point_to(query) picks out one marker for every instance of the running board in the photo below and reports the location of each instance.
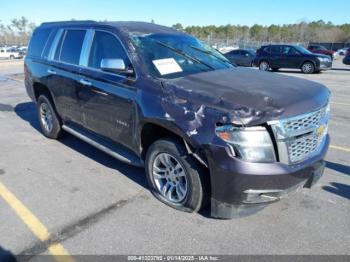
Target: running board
(110, 148)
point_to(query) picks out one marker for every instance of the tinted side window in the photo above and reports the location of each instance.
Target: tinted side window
(71, 46)
(293, 51)
(267, 49)
(38, 42)
(286, 50)
(105, 45)
(48, 44)
(275, 49)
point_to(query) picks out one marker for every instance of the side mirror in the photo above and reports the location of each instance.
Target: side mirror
(115, 66)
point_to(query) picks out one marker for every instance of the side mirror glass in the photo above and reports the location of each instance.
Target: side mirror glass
(115, 65)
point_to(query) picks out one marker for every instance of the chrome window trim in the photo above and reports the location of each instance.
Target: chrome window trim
(46, 43)
(63, 31)
(54, 44)
(86, 47)
(85, 55)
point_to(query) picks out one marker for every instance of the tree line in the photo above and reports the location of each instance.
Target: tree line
(17, 32)
(20, 29)
(317, 31)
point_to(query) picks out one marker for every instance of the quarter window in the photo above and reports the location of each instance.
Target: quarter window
(71, 47)
(38, 42)
(106, 46)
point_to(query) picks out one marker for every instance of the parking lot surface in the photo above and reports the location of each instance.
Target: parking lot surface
(73, 199)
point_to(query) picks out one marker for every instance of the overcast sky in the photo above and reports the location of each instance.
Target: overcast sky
(187, 12)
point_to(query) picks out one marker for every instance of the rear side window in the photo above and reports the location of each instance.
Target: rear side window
(105, 45)
(266, 49)
(71, 44)
(275, 49)
(48, 44)
(38, 42)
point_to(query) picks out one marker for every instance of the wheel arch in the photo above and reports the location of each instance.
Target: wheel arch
(307, 61)
(150, 131)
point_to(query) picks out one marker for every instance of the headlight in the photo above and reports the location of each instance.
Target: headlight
(323, 59)
(252, 144)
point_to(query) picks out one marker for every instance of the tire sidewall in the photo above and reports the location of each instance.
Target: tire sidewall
(264, 62)
(194, 198)
(56, 128)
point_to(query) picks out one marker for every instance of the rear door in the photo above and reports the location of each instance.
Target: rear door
(107, 99)
(64, 71)
(276, 61)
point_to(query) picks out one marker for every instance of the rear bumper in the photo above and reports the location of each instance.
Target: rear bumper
(240, 188)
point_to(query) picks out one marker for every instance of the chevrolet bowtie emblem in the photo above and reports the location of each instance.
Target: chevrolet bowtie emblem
(320, 130)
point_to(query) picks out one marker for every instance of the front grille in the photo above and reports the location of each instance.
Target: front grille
(301, 137)
(305, 122)
(301, 148)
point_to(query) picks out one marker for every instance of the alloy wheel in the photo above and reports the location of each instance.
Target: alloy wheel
(170, 177)
(46, 117)
(307, 68)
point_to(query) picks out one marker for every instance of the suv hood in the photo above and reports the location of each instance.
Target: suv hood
(241, 96)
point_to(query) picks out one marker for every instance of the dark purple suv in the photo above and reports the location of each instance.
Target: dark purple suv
(205, 131)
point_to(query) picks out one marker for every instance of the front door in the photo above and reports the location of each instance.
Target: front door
(107, 99)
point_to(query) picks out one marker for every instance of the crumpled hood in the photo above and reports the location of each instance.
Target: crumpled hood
(247, 96)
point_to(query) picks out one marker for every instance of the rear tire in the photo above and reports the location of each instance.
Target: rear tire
(49, 121)
(308, 68)
(176, 178)
(264, 66)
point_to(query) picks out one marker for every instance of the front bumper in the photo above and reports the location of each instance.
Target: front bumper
(325, 65)
(240, 188)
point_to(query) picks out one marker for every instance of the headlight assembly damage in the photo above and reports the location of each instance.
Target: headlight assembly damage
(251, 144)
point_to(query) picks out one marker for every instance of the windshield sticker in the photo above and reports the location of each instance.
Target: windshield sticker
(167, 66)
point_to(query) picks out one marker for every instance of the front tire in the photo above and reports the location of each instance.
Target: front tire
(49, 121)
(308, 68)
(176, 178)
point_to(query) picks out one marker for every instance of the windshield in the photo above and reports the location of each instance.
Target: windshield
(172, 56)
(303, 50)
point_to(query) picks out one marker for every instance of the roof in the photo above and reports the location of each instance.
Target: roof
(130, 26)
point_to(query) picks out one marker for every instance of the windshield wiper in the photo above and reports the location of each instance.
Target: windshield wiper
(210, 53)
(182, 53)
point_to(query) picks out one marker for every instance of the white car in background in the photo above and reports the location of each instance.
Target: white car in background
(343, 51)
(11, 54)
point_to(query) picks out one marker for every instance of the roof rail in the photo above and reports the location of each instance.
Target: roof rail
(69, 22)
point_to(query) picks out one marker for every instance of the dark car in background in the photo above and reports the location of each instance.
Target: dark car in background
(205, 130)
(290, 56)
(320, 49)
(346, 59)
(241, 57)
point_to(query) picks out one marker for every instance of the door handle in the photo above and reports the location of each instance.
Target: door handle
(85, 82)
(52, 72)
